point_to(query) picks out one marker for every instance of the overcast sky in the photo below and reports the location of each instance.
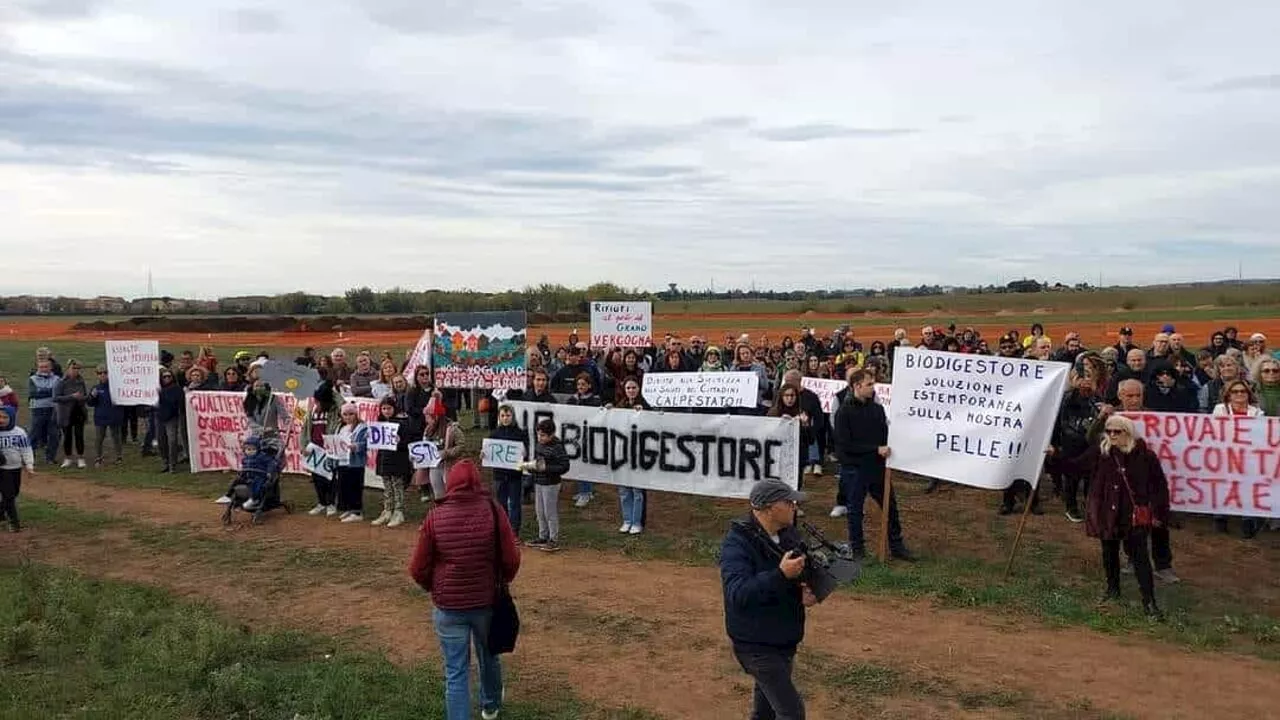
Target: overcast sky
(320, 145)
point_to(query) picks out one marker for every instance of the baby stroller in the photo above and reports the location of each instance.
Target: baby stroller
(261, 468)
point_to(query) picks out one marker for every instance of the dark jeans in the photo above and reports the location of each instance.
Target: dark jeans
(10, 484)
(510, 494)
(73, 439)
(351, 489)
(1071, 486)
(324, 490)
(129, 426)
(1021, 489)
(1135, 546)
(44, 432)
(1161, 550)
(153, 426)
(855, 485)
(775, 696)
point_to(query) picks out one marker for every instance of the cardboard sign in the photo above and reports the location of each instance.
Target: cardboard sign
(317, 463)
(384, 435)
(337, 448)
(502, 454)
(424, 454)
(621, 324)
(701, 389)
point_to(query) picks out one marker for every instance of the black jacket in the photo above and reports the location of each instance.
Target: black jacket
(860, 429)
(1181, 398)
(555, 462)
(763, 610)
(1074, 431)
(395, 463)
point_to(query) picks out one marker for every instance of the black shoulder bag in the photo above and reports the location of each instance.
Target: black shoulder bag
(504, 627)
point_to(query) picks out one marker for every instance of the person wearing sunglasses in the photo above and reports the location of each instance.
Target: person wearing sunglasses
(108, 418)
(1128, 496)
(1238, 398)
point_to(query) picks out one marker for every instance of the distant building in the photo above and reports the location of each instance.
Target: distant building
(106, 305)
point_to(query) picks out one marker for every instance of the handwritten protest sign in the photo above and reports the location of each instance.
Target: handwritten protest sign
(621, 324)
(714, 455)
(826, 390)
(317, 462)
(424, 454)
(337, 447)
(701, 390)
(217, 427)
(133, 370)
(974, 420)
(1217, 465)
(503, 454)
(384, 436)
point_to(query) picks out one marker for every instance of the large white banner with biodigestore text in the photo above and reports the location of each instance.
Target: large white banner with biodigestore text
(621, 324)
(1226, 465)
(716, 455)
(973, 419)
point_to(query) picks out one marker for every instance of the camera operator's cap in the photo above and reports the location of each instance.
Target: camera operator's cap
(1126, 330)
(768, 492)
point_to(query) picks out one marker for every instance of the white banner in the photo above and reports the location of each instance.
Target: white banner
(217, 426)
(502, 454)
(621, 324)
(973, 419)
(133, 370)
(701, 390)
(715, 455)
(826, 390)
(384, 436)
(1216, 465)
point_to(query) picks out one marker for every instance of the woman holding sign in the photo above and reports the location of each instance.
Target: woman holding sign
(634, 507)
(393, 465)
(447, 436)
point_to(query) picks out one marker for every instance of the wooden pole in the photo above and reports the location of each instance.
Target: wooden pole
(1022, 524)
(884, 515)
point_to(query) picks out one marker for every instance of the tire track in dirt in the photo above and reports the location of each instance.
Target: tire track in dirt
(614, 628)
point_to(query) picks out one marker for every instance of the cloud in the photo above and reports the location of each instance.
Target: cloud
(499, 143)
(826, 131)
(1248, 82)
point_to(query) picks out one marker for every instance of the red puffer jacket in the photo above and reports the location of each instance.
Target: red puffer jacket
(454, 560)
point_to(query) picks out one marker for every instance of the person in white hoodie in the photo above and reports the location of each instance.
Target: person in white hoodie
(15, 454)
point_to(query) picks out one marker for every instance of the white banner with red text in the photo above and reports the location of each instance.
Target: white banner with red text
(1216, 465)
(217, 427)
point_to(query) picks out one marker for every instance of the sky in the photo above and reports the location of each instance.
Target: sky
(264, 147)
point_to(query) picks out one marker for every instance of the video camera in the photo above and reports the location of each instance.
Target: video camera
(827, 565)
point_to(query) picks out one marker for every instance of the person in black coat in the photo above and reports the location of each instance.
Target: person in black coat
(1168, 393)
(509, 483)
(861, 436)
(393, 465)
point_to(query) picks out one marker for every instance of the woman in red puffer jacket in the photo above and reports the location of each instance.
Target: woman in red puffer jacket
(465, 543)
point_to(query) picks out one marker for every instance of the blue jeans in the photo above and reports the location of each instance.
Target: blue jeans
(510, 493)
(815, 457)
(632, 505)
(586, 488)
(456, 630)
(44, 432)
(855, 484)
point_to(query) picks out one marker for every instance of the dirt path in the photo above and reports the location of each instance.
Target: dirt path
(614, 629)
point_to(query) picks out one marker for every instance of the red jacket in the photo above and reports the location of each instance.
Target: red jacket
(454, 560)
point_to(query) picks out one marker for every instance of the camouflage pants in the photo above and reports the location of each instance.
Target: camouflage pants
(393, 494)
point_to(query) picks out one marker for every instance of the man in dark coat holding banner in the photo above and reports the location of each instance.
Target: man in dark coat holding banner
(861, 438)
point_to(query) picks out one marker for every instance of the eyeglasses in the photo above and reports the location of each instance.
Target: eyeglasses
(1114, 431)
(1239, 392)
(1270, 371)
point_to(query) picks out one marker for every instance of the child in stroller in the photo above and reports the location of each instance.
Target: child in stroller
(256, 488)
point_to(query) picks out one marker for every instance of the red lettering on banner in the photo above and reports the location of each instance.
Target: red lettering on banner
(1273, 433)
(1233, 496)
(214, 460)
(1262, 497)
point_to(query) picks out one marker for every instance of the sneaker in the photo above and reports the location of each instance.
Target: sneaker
(353, 518)
(97, 463)
(317, 510)
(537, 542)
(1126, 569)
(637, 529)
(839, 511)
(424, 498)
(1075, 516)
(626, 528)
(224, 500)
(382, 519)
(1153, 611)
(397, 519)
(15, 528)
(808, 469)
(549, 546)
(330, 511)
(251, 504)
(80, 463)
(583, 500)
(493, 714)
(1168, 576)
(65, 464)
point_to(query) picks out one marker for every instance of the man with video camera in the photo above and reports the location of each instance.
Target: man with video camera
(762, 567)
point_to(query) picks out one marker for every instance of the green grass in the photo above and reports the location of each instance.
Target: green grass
(77, 648)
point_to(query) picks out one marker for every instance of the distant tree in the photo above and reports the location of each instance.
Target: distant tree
(362, 300)
(295, 303)
(1024, 286)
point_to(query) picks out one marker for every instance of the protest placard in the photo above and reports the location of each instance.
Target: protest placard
(337, 447)
(971, 419)
(297, 380)
(479, 350)
(133, 371)
(217, 427)
(1218, 465)
(424, 454)
(701, 389)
(826, 390)
(384, 436)
(317, 462)
(715, 455)
(503, 454)
(621, 324)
